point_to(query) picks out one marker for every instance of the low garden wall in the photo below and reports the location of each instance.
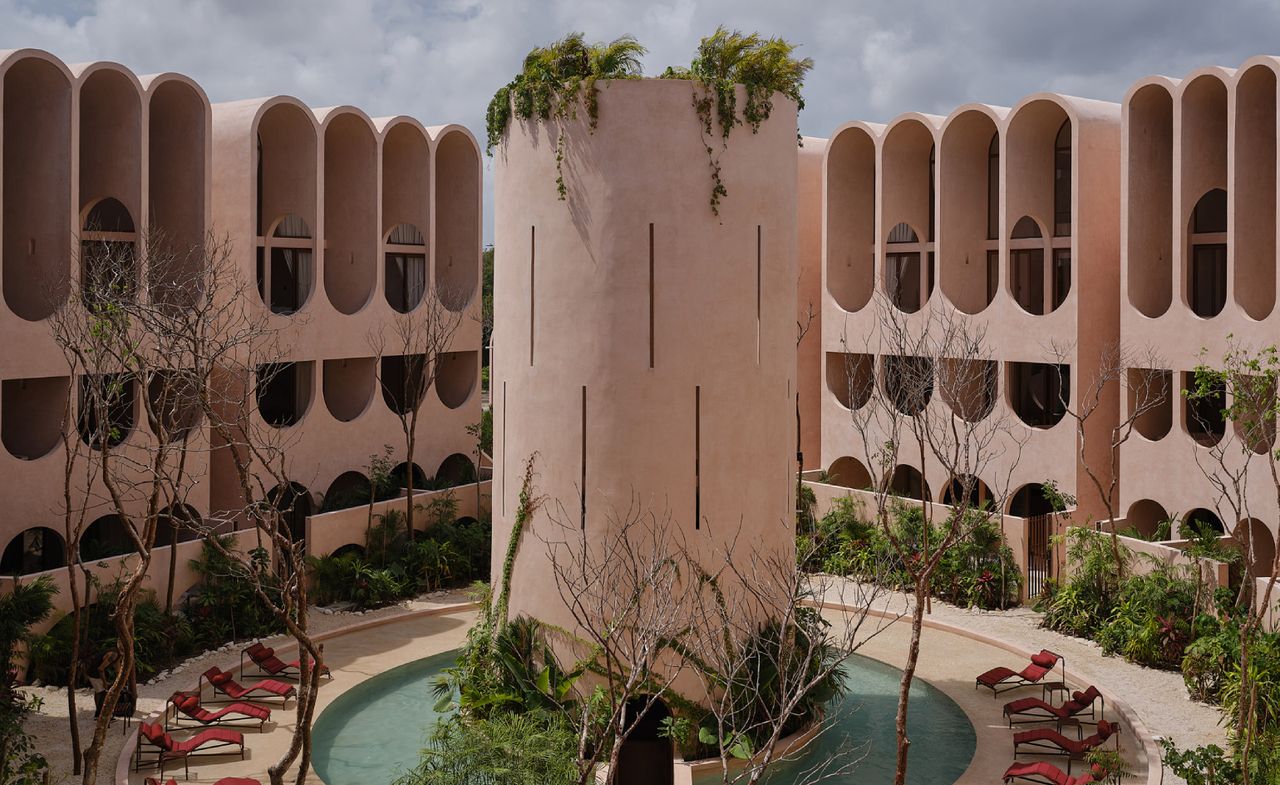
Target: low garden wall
(325, 533)
(329, 531)
(1015, 529)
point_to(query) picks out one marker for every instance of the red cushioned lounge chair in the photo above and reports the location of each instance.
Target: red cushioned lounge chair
(223, 781)
(206, 742)
(1043, 773)
(1080, 707)
(1046, 741)
(221, 681)
(187, 705)
(267, 661)
(1003, 679)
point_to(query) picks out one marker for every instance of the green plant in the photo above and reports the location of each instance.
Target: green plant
(1109, 766)
(223, 606)
(534, 748)
(725, 59)
(1151, 622)
(1207, 765)
(554, 80)
(25, 605)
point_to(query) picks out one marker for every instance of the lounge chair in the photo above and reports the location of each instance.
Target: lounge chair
(167, 748)
(1028, 710)
(223, 781)
(1043, 773)
(1046, 741)
(187, 705)
(267, 661)
(1003, 679)
(221, 681)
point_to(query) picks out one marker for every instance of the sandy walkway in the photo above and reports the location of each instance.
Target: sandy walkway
(948, 661)
(50, 725)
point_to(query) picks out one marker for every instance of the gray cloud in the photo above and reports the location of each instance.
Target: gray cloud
(441, 60)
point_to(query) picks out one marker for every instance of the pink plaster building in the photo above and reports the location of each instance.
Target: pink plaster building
(344, 221)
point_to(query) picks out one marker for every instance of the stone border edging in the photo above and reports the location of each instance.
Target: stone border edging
(124, 763)
(1137, 726)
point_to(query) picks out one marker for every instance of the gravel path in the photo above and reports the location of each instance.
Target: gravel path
(1158, 697)
(50, 725)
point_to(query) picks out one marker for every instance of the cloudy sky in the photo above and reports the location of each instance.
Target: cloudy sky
(441, 61)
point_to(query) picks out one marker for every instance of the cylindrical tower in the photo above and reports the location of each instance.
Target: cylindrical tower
(645, 347)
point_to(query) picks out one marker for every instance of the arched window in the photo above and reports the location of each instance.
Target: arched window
(908, 382)
(906, 282)
(35, 550)
(1207, 278)
(284, 266)
(405, 278)
(1038, 287)
(105, 537)
(993, 187)
(933, 191)
(108, 254)
(1039, 392)
(294, 505)
(969, 491)
(284, 392)
(908, 483)
(1062, 181)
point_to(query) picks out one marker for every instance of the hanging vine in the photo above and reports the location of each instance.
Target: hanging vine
(763, 66)
(554, 81)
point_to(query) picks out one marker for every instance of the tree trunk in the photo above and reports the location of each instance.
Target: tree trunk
(173, 566)
(410, 443)
(904, 686)
(73, 671)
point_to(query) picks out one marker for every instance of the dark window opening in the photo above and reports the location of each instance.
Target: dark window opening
(993, 188)
(406, 268)
(1028, 279)
(1030, 501)
(284, 274)
(970, 491)
(404, 382)
(1062, 181)
(108, 255)
(1206, 417)
(293, 504)
(908, 483)
(1040, 392)
(34, 550)
(908, 383)
(908, 283)
(1207, 281)
(106, 407)
(283, 392)
(993, 274)
(105, 537)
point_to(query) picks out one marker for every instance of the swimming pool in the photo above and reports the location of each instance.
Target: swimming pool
(374, 731)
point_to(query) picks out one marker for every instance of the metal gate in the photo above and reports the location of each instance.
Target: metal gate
(1039, 553)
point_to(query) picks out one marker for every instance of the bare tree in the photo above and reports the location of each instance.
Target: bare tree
(768, 643)
(625, 591)
(118, 342)
(407, 358)
(897, 419)
(77, 474)
(1241, 389)
(1102, 425)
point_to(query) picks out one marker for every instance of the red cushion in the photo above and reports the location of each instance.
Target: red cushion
(1037, 769)
(187, 701)
(219, 679)
(995, 676)
(1045, 659)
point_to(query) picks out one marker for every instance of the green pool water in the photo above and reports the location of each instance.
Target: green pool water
(374, 731)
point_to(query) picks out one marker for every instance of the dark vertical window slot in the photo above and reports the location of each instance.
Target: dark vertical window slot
(758, 282)
(697, 457)
(504, 448)
(650, 295)
(583, 477)
(532, 257)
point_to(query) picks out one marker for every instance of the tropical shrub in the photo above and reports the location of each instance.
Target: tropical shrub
(533, 748)
(1153, 618)
(1085, 601)
(224, 606)
(160, 639)
(978, 570)
(20, 761)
